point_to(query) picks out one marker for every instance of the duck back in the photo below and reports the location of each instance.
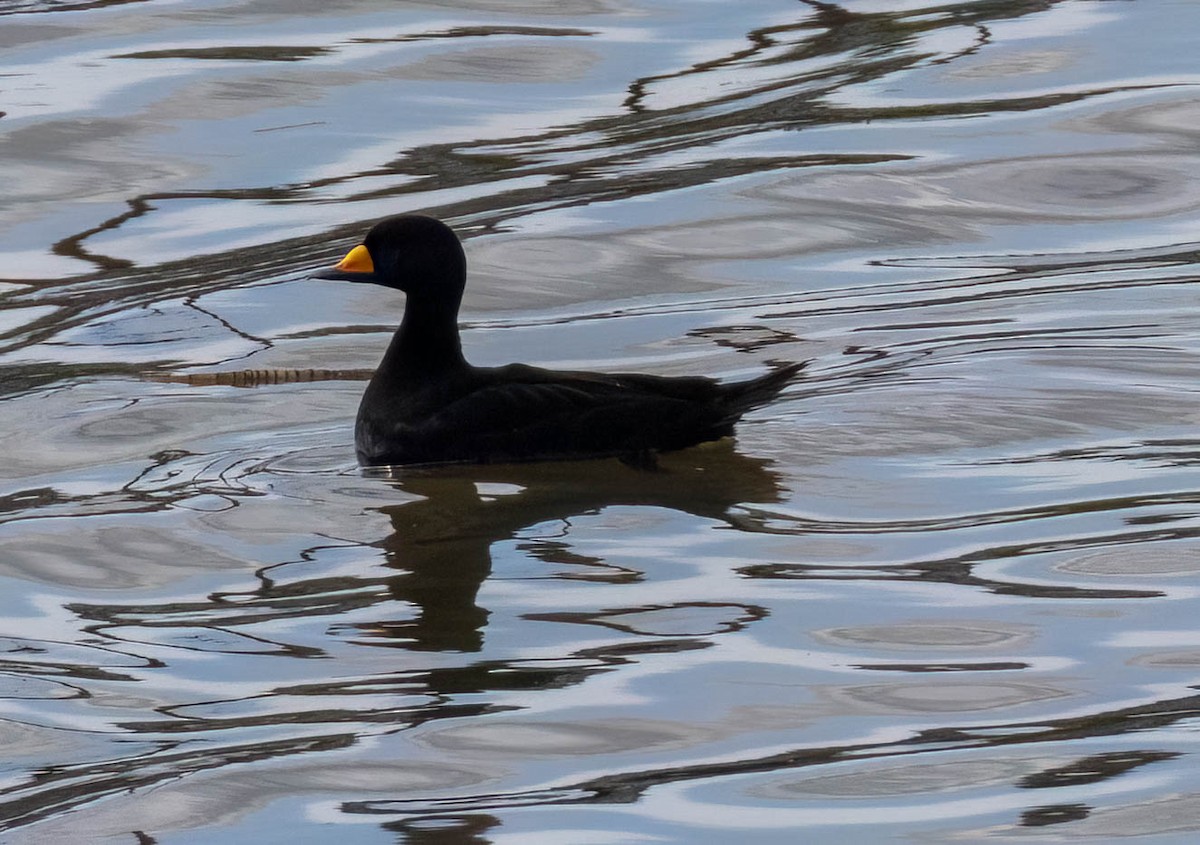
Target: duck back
(523, 413)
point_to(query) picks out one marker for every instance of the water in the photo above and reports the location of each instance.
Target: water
(944, 590)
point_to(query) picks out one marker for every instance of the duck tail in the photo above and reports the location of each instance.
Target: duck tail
(745, 396)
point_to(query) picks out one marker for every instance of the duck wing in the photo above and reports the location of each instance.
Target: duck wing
(521, 413)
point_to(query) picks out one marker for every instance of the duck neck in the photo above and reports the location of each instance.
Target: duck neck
(426, 343)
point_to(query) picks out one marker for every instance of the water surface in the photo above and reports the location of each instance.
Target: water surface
(944, 590)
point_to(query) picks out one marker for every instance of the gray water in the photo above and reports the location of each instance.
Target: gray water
(944, 590)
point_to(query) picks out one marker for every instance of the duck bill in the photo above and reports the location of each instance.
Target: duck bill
(355, 267)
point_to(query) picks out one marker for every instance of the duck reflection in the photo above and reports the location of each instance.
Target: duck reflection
(443, 542)
(468, 829)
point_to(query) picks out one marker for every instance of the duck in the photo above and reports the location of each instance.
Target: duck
(425, 404)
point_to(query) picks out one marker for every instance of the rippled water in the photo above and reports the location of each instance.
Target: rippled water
(945, 590)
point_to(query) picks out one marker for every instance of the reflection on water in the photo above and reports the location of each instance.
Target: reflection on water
(941, 590)
(453, 528)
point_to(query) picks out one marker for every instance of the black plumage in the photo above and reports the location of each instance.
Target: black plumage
(426, 404)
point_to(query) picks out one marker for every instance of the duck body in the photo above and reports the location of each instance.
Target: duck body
(523, 413)
(427, 405)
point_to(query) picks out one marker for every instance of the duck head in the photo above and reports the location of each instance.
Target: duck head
(413, 253)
